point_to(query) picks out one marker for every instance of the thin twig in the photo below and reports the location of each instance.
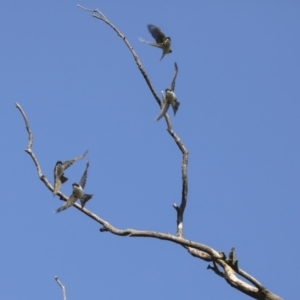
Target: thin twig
(30, 141)
(30, 136)
(62, 287)
(99, 15)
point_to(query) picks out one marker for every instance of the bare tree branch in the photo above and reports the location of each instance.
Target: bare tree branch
(204, 252)
(179, 209)
(99, 15)
(62, 287)
(31, 153)
(201, 251)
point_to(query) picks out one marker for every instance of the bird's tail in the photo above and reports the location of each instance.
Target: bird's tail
(61, 209)
(162, 56)
(86, 198)
(175, 107)
(63, 178)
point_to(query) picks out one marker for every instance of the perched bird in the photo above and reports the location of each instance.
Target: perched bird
(59, 169)
(169, 98)
(162, 41)
(78, 192)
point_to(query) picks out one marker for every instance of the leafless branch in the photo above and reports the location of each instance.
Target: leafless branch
(62, 287)
(179, 209)
(201, 251)
(32, 155)
(99, 15)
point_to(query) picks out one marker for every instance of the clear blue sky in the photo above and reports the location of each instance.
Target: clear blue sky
(239, 88)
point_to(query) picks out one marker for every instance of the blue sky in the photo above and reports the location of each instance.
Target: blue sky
(238, 84)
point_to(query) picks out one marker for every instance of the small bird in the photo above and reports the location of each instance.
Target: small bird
(59, 169)
(78, 192)
(169, 98)
(162, 41)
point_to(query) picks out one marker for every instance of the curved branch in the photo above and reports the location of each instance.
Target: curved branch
(29, 150)
(179, 209)
(99, 15)
(31, 153)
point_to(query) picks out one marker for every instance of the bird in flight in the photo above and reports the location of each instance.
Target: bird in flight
(161, 40)
(78, 192)
(59, 169)
(169, 98)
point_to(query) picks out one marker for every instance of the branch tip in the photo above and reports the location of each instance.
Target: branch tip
(62, 287)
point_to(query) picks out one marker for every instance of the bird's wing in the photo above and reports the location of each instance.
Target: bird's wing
(150, 43)
(172, 87)
(68, 163)
(157, 34)
(72, 199)
(163, 111)
(84, 176)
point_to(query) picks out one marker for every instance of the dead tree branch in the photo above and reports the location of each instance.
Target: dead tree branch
(179, 209)
(32, 155)
(230, 268)
(199, 250)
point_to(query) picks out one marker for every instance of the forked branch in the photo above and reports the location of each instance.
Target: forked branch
(96, 13)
